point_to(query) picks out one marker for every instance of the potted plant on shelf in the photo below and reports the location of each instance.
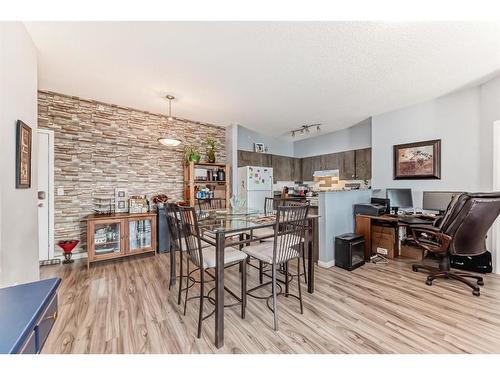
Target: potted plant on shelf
(192, 154)
(211, 144)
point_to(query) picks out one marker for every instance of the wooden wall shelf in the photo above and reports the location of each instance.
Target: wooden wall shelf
(222, 188)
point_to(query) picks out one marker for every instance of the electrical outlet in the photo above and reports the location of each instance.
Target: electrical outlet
(60, 191)
(381, 250)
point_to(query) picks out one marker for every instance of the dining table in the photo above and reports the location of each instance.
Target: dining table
(217, 226)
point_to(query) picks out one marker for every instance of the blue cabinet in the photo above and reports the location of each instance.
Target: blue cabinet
(27, 314)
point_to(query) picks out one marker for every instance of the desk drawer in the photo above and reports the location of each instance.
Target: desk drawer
(45, 323)
(29, 346)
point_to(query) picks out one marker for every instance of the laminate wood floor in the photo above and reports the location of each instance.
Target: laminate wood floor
(125, 306)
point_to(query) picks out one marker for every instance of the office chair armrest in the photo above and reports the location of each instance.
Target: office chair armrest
(430, 238)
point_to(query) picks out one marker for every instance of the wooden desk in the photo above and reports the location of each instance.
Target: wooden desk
(364, 226)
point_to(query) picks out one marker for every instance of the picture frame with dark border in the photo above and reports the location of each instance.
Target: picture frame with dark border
(417, 160)
(23, 155)
(259, 147)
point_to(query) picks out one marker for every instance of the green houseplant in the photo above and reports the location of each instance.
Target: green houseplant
(211, 144)
(192, 154)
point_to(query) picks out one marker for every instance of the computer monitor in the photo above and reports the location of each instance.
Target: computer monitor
(438, 200)
(399, 198)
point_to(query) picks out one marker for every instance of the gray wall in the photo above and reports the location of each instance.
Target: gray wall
(276, 146)
(490, 112)
(456, 120)
(18, 207)
(352, 138)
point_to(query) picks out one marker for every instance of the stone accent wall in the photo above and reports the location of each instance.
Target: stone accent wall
(99, 147)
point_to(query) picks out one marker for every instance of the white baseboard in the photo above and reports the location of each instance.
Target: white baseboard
(328, 264)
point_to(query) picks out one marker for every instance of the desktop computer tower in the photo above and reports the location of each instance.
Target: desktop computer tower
(478, 263)
(349, 251)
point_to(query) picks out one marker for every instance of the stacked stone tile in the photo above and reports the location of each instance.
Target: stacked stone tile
(99, 147)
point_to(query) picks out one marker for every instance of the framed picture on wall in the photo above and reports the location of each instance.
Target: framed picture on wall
(259, 147)
(418, 161)
(121, 200)
(23, 155)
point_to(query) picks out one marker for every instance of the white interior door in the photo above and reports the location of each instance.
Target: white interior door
(45, 194)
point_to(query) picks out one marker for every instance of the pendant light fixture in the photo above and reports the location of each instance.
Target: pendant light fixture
(164, 140)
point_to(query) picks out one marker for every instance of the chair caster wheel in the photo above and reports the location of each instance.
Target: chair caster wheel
(476, 292)
(428, 282)
(414, 268)
(480, 282)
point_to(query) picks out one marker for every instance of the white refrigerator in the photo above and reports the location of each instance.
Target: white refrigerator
(254, 185)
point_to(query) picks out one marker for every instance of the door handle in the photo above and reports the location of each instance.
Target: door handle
(40, 204)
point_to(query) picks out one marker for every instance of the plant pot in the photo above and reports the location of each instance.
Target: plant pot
(211, 156)
(195, 158)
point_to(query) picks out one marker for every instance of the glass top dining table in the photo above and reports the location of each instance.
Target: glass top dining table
(216, 226)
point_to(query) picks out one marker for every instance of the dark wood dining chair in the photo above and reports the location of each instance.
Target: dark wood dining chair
(290, 227)
(204, 259)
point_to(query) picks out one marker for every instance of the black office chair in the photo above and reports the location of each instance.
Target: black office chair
(461, 232)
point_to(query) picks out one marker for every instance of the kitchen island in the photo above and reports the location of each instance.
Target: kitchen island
(336, 218)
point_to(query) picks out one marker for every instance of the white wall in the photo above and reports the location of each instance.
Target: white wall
(456, 120)
(276, 146)
(353, 138)
(18, 207)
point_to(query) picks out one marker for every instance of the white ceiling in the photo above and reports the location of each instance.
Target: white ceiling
(270, 77)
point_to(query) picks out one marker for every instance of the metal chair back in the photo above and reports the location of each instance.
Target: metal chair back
(173, 227)
(291, 223)
(191, 234)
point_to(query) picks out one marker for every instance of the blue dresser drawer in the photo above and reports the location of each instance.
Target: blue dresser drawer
(29, 346)
(45, 323)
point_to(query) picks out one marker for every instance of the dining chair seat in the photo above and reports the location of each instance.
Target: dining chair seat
(267, 232)
(264, 252)
(231, 256)
(212, 235)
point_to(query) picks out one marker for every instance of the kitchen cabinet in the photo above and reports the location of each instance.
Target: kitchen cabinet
(330, 161)
(347, 165)
(282, 168)
(307, 168)
(364, 164)
(255, 159)
(296, 169)
(355, 164)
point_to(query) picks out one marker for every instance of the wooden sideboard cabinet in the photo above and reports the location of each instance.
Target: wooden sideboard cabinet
(120, 235)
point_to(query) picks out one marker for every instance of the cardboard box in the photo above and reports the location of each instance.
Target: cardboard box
(412, 252)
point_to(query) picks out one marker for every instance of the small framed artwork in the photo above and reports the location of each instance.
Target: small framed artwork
(137, 204)
(418, 161)
(23, 155)
(259, 147)
(121, 200)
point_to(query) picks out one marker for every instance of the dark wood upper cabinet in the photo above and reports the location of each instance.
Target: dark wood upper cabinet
(296, 169)
(347, 165)
(307, 168)
(251, 158)
(282, 168)
(364, 164)
(355, 164)
(330, 161)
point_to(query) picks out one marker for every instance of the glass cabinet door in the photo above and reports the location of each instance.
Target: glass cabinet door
(107, 238)
(140, 236)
